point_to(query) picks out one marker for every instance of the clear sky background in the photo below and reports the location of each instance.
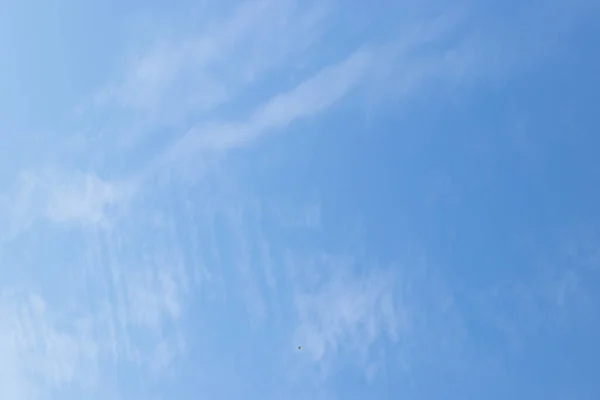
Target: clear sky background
(408, 189)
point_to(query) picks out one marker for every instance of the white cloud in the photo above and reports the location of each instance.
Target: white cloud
(182, 79)
(139, 284)
(112, 298)
(350, 310)
(123, 306)
(347, 315)
(310, 97)
(40, 355)
(192, 74)
(555, 294)
(70, 197)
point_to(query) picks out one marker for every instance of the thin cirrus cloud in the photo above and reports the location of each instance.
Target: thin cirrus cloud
(146, 247)
(194, 74)
(312, 96)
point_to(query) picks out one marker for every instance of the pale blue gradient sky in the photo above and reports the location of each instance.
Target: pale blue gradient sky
(409, 190)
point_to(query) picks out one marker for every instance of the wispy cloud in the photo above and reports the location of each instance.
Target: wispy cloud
(204, 84)
(554, 296)
(192, 74)
(40, 355)
(312, 96)
(93, 300)
(67, 196)
(248, 73)
(118, 302)
(348, 312)
(349, 309)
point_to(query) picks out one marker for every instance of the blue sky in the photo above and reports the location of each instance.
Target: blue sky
(190, 190)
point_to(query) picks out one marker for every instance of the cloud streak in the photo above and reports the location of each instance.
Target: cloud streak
(142, 246)
(193, 74)
(311, 97)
